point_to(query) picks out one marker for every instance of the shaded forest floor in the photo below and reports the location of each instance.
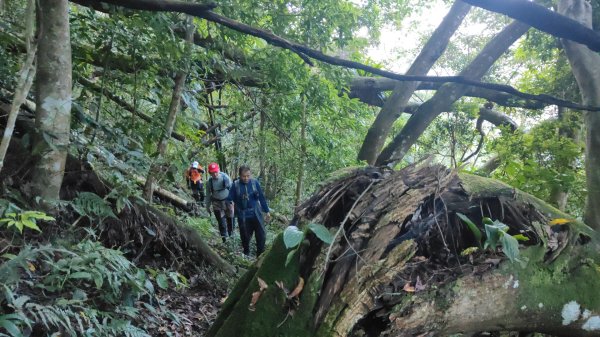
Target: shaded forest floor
(198, 305)
(155, 239)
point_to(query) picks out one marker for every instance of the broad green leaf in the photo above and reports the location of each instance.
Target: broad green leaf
(474, 229)
(11, 328)
(510, 247)
(19, 226)
(321, 232)
(30, 224)
(492, 234)
(292, 237)
(162, 281)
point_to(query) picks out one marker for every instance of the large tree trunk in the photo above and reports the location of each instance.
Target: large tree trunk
(398, 267)
(395, 105)
(585, 65)
(53, 98)
(448, 94)
(173, 110)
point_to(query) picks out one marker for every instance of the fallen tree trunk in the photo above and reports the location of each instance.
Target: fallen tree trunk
(401, 264)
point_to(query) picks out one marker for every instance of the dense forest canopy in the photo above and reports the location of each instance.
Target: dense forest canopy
(105, 103)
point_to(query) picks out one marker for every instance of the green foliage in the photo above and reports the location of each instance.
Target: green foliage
(292, 237)
(88, 290)
(93, 206)
(496, 233)
(24, 219)
(474, 229)
(547, 158)
(321, 232)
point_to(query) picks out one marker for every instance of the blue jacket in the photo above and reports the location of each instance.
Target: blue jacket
(248, 199)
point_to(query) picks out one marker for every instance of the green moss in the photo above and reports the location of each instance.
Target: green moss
(330, 319)
(571, 277)
(272, 315)
(480, 187)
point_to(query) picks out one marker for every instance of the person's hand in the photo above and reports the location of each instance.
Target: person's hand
(268, 217)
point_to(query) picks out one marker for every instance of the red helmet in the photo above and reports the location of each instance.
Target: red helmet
(213, 167)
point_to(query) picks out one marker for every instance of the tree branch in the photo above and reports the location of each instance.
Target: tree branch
(368, 90)
(123, 104)
(275, 40)
(540, 17)
(194, 9)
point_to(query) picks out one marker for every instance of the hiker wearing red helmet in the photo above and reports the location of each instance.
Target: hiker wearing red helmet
(217, 191)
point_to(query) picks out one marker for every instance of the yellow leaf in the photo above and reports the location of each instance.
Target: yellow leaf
(30, 266)
(469, 251)
(560, 221)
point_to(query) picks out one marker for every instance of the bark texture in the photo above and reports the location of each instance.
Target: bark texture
(397, 268)
(396, 103)
(448, 94)
(585, 65)
(53, 98)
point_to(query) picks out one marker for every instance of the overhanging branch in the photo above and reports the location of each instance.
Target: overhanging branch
(304, 51)
(194, 9)
(542, 18)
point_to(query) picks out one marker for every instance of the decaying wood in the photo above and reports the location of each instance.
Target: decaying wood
(398, 269)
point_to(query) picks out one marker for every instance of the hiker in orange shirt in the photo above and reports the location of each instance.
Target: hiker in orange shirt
(193, 178)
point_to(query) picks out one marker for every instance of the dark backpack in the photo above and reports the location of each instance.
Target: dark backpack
(236, 184)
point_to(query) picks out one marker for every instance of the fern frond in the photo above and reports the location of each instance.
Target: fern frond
(92, 206)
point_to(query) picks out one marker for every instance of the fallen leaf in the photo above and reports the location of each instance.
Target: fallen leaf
(262, 284)
(255, 297)
(30, 266)
(408, 288)
(298, 289)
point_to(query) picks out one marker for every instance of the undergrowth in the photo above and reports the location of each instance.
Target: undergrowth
(74, 287)
(81, 289)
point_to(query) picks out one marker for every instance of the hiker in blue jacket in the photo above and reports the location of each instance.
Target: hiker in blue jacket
(250, 204)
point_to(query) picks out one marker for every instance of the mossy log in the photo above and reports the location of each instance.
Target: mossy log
(399, 265)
